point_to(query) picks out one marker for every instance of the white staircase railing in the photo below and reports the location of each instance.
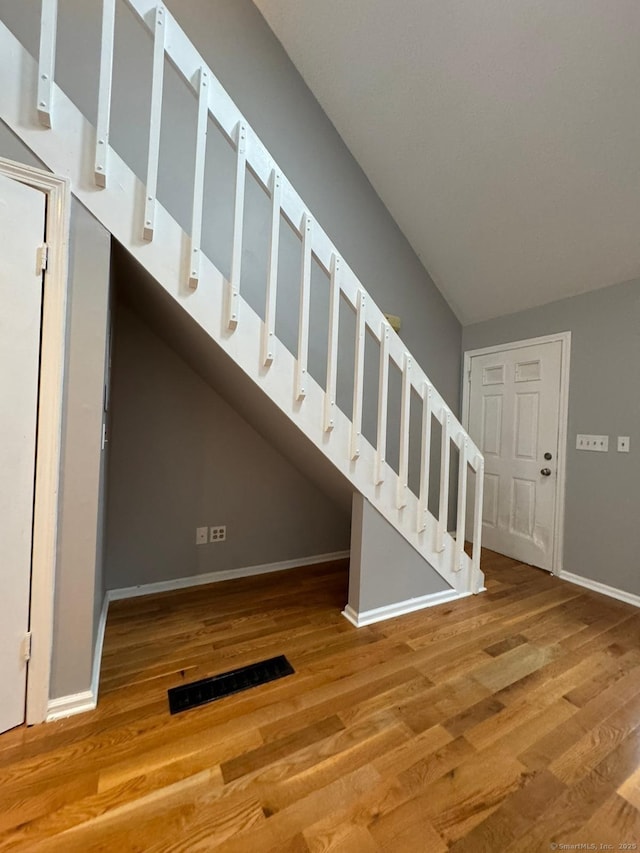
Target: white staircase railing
(365, 465)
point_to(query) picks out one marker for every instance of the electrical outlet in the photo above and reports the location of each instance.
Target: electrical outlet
(623, 444)
(201, 535)
(599, 443)
(218, 534)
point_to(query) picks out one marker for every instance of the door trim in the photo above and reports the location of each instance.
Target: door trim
(564, 338)
(49, 435)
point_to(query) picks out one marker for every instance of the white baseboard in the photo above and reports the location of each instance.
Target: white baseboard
(603, 588)
(97, 654)
(215, 577)
(388, 611)
(67, 706)
(77, 703)
(87, 700)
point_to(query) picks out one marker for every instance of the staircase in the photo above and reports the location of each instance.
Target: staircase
(40, 113)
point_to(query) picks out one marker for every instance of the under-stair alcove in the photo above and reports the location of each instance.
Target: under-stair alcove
(190, 447)
(252, 297)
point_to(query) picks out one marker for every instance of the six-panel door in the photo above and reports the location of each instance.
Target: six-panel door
(514, 406)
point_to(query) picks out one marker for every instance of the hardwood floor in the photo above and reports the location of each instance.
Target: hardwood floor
(508, 721)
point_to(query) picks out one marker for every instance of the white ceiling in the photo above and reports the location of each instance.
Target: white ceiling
(503, 135)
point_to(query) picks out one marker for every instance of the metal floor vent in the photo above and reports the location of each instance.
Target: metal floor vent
(227, 683)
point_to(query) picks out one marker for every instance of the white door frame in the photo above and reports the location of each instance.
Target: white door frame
(49, 437)
(564, 338)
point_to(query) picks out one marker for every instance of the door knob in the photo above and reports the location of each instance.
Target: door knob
(546, 472)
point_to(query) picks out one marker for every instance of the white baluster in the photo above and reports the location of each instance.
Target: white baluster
(445, 455)
(269, 328)
(383, 396)
(405, 412)
(462, 502)
(477, 524)
(332, 345)
(155, 120)
(198, 177)
(47, 60)
(358, 376)
(104, 93)
(305, 294)
(233, 285)
(425, 456)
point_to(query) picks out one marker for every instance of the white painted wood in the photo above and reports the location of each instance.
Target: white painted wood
(64, 150)
(425, 456)
(305, 298)
(602, 588)
(390, 611)
(383, 401)
(155, 121)
(69, 706)
(198, 177)
(477, 575)
(97, 654)
(462, 502)
(187, 60)
(269, 329)
(561, 469)
(514, 413)
(332, 344)
(49, 439)
(358, 376)
(47, 60)
(405, 411)
(233, 287)
(445, 458)
(104, 93)
(49, 455)
(227, 574)
(563, 337)
(22, 225)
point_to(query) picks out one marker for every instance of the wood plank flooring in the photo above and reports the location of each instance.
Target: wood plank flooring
(508, 721)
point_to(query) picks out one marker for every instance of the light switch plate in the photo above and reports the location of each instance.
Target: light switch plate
(599, 443)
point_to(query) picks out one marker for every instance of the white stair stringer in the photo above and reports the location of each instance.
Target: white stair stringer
(66, 148)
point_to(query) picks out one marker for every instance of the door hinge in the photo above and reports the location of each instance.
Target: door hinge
(26, 646)
(42, 258)
(469, 375)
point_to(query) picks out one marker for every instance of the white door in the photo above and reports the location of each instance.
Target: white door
(514, 414)
(22, 212)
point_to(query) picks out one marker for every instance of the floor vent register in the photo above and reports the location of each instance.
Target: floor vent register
(227, 683)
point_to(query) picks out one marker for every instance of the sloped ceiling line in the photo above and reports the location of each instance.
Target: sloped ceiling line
(516, 177)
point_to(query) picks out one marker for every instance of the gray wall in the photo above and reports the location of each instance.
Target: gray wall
(253, 67)
(180, 457)
(79, 586)
(602, 535)
(384, 569)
